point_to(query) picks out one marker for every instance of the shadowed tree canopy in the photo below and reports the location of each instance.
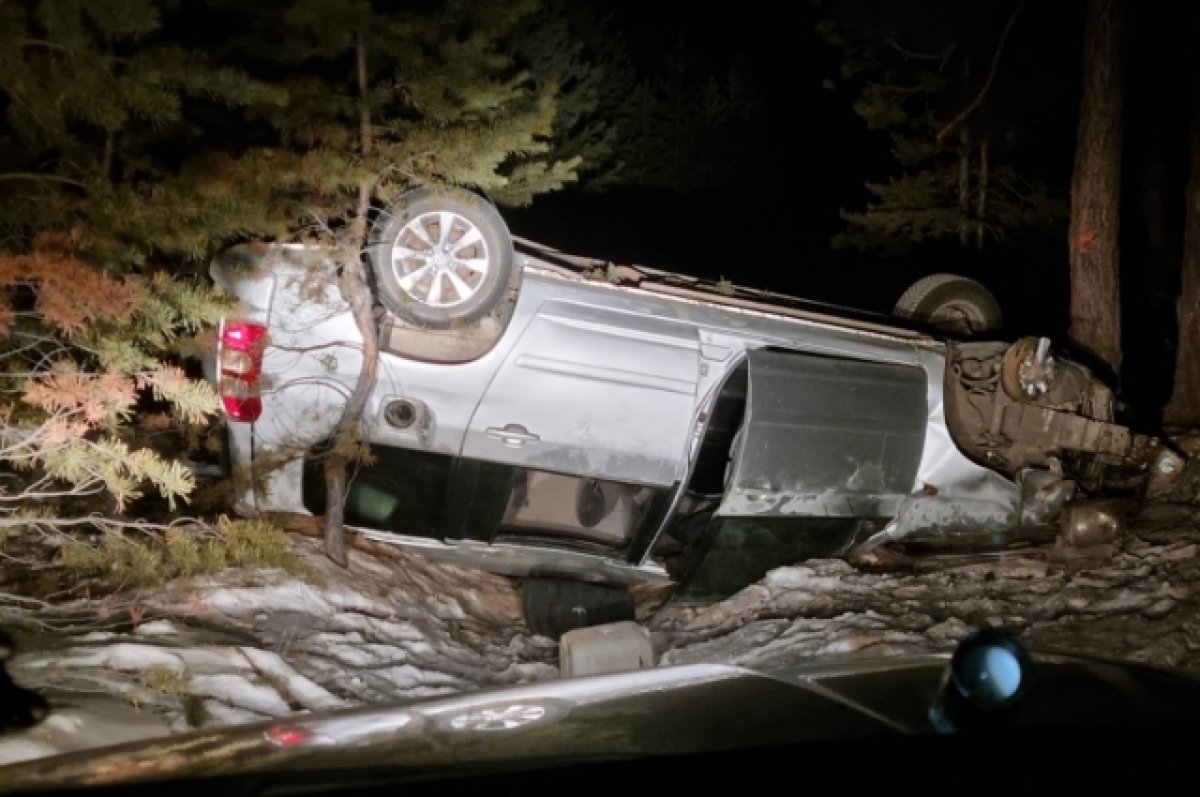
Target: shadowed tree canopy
(929, 81)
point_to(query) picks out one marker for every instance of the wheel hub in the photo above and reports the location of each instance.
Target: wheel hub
(440, 259)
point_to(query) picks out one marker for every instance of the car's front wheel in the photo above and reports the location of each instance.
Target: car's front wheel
(441, 257)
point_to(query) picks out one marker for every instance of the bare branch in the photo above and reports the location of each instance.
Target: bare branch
(991, 75)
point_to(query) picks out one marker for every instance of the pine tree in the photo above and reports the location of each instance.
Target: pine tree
(103, 209)
(574, 51)
(678, 129)
(958, 176)
(98, 139)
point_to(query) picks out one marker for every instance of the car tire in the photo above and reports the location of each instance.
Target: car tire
(554, 606)
(952, 304)
(424, 272)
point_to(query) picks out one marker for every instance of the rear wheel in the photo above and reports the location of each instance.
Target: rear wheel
(554, 606)
(441, 257)
(951, 303)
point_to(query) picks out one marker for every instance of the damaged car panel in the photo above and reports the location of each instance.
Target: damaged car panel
(1017, 416)
(826, 436)
(590, 391)
(618, 424)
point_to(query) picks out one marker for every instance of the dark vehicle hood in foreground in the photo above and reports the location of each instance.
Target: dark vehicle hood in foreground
(656, 712)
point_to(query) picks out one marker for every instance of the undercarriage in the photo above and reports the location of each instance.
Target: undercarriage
(1038, 417)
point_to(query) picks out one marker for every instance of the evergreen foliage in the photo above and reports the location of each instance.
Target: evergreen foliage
(958, 179)
(107, 215)
(680, 128)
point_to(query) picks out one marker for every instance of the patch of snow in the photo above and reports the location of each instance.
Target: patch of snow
(360, 655)
(299, 688)
(404, 677)
(156, 628)
(239, 692)
(212, 659)
(800, 578)
(118, 656)
(293, 596)
(345, 599)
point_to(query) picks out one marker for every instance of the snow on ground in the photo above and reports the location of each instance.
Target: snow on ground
(1135, 601)
(246, 646)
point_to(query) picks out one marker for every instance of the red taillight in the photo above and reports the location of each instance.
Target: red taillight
(239, 360)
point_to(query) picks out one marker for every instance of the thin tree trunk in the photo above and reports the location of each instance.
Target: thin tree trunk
(357, 293)
(981, 204)
(1095, 188)
(1184, 405)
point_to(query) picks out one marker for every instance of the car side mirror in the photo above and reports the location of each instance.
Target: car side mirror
(984, 684)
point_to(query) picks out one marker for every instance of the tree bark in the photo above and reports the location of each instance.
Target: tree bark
(1184, 404)
(1095, 188)
(356, 290)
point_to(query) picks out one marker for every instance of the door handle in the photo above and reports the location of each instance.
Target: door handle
(513, 435)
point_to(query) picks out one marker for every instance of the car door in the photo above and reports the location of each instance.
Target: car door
(586, 425)
(827, 437)
(825, 443)
(593, 392)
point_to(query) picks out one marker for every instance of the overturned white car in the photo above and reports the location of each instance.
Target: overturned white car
(553, 417)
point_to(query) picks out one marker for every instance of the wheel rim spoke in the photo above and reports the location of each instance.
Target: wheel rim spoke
(445, 226)
(468, 239)
(401, 252)
(417, 228)
(460, 286)
(475, 264)
(411, 278)
(434, 296)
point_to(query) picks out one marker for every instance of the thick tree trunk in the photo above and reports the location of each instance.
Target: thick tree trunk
(356, 291)
(1095, 188)
(1184, 405)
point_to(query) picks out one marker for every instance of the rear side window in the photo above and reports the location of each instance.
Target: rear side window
(402, 492)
